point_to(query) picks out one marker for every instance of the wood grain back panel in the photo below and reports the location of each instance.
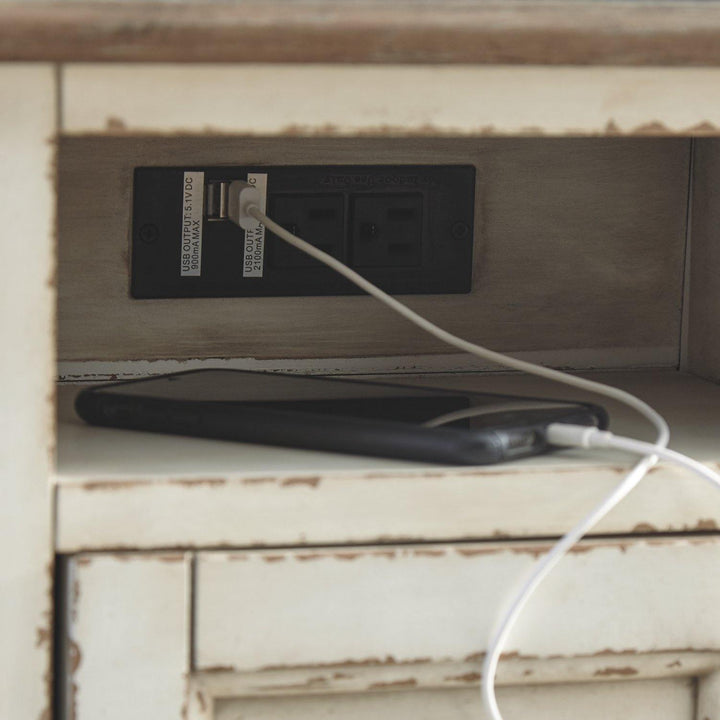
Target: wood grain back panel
(579, 245)
(703, 352)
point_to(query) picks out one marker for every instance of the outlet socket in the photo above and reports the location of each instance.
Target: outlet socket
(317, 219)
(406, 228)
(386, 230)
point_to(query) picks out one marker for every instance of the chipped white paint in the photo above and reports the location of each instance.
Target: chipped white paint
(118, 488)
(128, 636)
(438, 603)
(27, 354)
(130, 613)
(316, 504)
(384, 675)
(642, 700)
(424, 100)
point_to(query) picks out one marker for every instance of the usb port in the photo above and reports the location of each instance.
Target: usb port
(216, 200)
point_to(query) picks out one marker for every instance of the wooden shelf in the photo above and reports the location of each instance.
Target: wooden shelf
(122, 489)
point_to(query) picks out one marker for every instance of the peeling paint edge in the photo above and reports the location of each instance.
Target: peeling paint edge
(119, 127)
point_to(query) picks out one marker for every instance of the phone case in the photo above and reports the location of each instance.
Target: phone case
(254, 423)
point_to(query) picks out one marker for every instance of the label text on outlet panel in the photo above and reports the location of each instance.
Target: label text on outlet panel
(254, 254)
(193, 191)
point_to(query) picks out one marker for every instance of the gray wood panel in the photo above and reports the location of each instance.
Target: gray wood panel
(579, 244)
(704, 310)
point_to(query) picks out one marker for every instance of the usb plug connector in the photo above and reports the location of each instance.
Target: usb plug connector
(241, 197)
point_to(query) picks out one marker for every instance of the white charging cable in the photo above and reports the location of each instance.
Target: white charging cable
(473, 412)
(582, 436)
(244, 210)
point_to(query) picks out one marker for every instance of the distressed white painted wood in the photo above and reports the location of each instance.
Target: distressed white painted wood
(118, 488)
(641, 700)
(128, 636)
(129, 617)
(708, 697)
(415, 604)
(401, 100)
(208, 686)
(27, 347)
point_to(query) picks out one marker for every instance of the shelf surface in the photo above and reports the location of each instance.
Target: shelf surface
(120, 489)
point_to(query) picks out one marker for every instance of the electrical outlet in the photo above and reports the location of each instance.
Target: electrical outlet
(319, 219)
(386, 230)
(406, 228)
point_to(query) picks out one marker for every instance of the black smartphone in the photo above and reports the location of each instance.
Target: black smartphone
(337, 415)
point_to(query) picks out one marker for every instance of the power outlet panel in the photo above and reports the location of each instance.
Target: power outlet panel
(406, 228)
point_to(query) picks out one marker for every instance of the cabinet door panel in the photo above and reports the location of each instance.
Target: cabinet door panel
(127, 636)
(414, 604)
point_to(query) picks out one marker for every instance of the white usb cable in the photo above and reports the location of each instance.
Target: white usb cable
(244, 210)
(583, 436)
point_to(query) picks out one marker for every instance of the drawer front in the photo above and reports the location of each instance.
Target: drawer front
(418, 604)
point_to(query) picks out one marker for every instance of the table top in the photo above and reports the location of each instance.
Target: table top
(566, 32)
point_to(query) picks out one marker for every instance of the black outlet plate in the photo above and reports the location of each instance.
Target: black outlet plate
(406, 228)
